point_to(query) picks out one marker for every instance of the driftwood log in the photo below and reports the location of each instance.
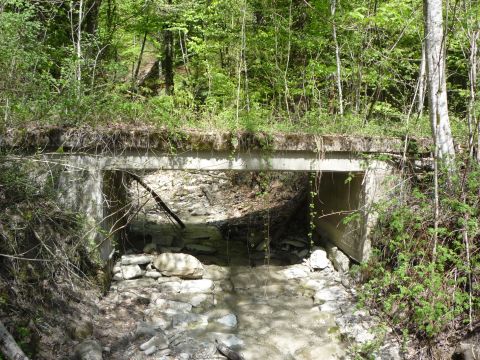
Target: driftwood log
(227, 352)
(159, 201)
(8, 346)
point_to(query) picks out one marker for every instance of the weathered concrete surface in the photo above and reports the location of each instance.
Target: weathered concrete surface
(344, 204)
(95, 161)
(119, 139)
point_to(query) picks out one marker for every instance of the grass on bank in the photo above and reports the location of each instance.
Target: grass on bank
(181, 112)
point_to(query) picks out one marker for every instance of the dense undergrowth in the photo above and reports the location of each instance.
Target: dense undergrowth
(428, 286)
(43, 257)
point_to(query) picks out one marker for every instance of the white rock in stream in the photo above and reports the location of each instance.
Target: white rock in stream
(158, 341)
(332, 293)
(318, 260)
(181, 265)
(131, 271)
(296, 272)
(117, 267)
(229, 320)
(153, 274)
(170, 306)
(187, 286)
(135, 259)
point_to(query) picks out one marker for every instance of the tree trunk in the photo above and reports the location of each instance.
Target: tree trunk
(421, 83)
(8, 346)
(437, 86)
(139, 61)
(472, 77)
(337, 57)
(168, 59)
(91, 16)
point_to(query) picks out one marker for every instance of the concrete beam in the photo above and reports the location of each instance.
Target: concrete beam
(205, 161)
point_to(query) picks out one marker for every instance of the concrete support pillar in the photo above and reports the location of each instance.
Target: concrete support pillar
(378, 185)
(100, 196)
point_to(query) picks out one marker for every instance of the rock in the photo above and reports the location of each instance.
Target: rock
(82, 330)
(118, 277)
(198, 210)
(131, 271)
(229, 320)
(140, 259)
(140, 283)
(216, 272)
(187, 286)
(331, 293)
(181, 265)
(468, 350)
(117, 267)
(158, 342)
(198, 299)
(153, 274)
(200, 249)
(227, 339)
(188, 347)
(341, 262)
(172, 307)
(318, 260)
(390, 351)
(296, 272)
(146, 329)
(223, 285)
(301, 253)
(189, 320)
(356, 326)
(88, 350)
(158, 318)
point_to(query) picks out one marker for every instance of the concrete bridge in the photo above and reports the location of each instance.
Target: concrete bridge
(356, 172)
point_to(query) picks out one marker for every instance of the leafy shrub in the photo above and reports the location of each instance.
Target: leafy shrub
(425, 286)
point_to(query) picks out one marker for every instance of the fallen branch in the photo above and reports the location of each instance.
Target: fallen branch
(8, 346)
(159, 201)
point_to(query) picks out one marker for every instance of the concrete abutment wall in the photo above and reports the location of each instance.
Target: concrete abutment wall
(101, 196)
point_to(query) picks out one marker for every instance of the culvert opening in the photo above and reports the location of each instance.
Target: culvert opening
(243, 218)
(231, 218)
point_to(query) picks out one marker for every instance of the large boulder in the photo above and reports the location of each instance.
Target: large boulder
(182, 265)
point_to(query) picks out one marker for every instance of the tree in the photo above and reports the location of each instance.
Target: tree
(437, 86)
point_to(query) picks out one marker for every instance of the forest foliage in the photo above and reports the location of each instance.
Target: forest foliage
(255, 64)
